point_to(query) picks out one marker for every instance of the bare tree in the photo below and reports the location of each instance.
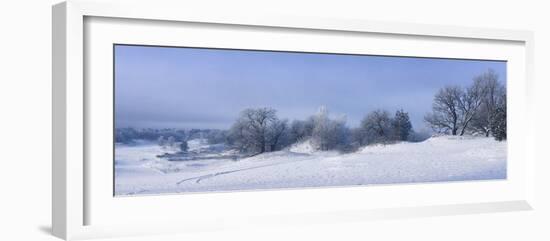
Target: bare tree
(257, 130)
(300, 130)
(480, 122)
(493, 90)
(216, 136)
(277, 135)
(327, 133)
(360, 136)
(240, 137)
(457, 110)
(161, 141)
(445, 116)
(469, 103)
(377, 126)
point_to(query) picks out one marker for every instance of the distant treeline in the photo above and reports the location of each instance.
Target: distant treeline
(128, 135)
(259, 130)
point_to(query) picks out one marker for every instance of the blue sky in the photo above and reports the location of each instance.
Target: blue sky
(169, 87)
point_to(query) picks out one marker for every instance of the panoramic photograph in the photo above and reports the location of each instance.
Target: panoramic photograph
(190, 120)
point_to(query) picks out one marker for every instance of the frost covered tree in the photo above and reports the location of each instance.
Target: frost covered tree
(240, 137)
(377, 125)
(401, 125)
(445, 116)
(493, 92)
(216, 136)
(481, 121)
(277, 135)
(469, 104)
(359, 136)
(258, 130)
(300, 130)
(328, 134)
(161, 141)
(321, 128)
(251, 129)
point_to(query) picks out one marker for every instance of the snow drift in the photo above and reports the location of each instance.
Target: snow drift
(139, 170)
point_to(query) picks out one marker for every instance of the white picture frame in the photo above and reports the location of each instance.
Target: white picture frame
(75, 201)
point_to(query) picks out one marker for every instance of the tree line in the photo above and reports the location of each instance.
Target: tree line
(165, 136)
(479, 108)
(259, 130)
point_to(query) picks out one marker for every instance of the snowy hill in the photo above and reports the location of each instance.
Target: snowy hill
(444, 158)
(303, 147)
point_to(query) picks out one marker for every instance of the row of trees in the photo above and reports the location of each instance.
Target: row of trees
(260, 130)
(129, 135)
(478, 108)
(171, 142)
(378, 126)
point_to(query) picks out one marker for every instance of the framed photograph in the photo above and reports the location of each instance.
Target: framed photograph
(193, 119)
(178, 121)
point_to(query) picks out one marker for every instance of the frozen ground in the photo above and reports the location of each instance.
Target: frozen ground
(445, 158)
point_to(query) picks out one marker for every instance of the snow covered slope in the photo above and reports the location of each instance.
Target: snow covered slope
(443, 158)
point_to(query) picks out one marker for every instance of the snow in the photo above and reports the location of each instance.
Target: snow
(303, 147)
(138, 170)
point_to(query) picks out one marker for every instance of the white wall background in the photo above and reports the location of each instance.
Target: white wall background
(25, 122)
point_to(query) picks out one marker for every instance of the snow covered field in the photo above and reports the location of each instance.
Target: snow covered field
(138, 170)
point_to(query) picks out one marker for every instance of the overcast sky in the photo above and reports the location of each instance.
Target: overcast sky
(207, 88)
